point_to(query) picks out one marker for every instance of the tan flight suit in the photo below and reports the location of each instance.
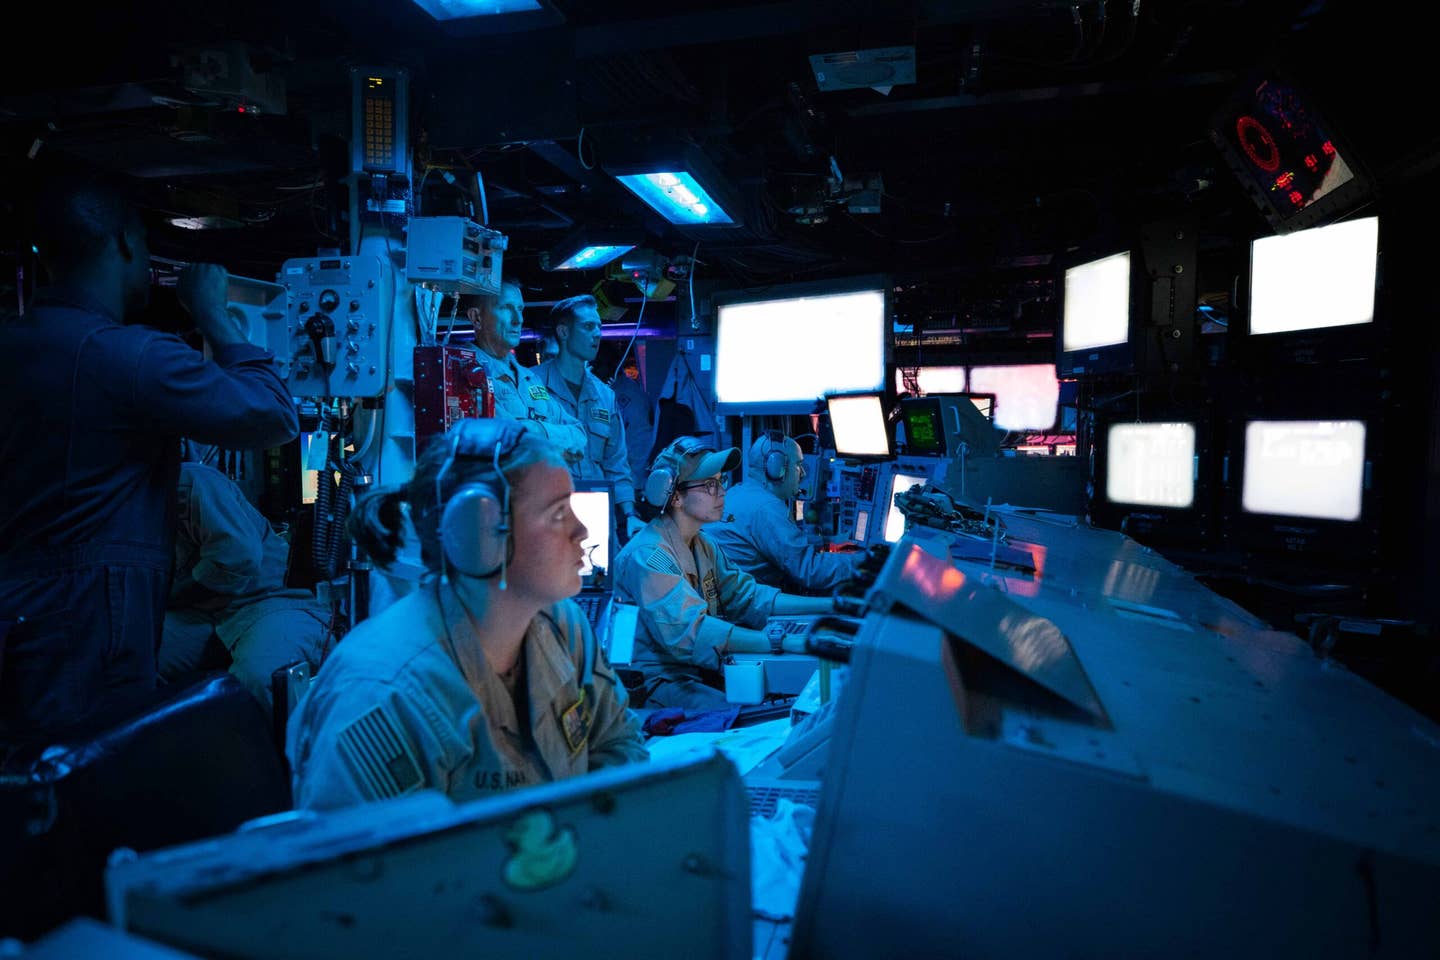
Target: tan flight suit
(520, 396)
(689, 600)
(393, 710)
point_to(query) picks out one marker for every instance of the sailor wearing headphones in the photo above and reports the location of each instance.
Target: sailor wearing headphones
(487, 678)
(694, 606)
(759, 535)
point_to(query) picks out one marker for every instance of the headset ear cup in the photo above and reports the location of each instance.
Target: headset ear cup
(473, 532)
(776, 465)
(659, 485)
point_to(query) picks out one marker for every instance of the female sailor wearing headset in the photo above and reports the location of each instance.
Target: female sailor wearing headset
(486, 679)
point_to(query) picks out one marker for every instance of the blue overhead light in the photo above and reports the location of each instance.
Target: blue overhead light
(460, 9)
(677, 196)
(591, 257)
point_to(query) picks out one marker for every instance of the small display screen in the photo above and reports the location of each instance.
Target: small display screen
(1027, 395)
(923, 433)
(858, 423)
(1304, 468)
(862, 525)
(895, 519)
(1150, 464)
(594, 509)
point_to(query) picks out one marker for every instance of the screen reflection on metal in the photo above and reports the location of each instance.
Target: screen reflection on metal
(985, 618)
(1130, 581)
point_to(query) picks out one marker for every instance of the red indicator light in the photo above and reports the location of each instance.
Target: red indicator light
(241, 108)
(1258, 144)
(1328, 148)
(1297, 198)
(1284, 180)
(1312, 162)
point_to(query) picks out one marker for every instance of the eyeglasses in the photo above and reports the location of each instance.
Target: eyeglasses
(713, 486)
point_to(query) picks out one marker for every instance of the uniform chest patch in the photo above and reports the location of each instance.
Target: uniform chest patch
(537, 392)
(710, 587)
(601, 414)
(575, 722)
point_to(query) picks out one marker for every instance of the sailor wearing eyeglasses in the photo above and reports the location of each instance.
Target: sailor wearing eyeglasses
(694, 606)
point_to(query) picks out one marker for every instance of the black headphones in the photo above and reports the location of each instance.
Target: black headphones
(474, 527)
(777, 457)
(665, 473)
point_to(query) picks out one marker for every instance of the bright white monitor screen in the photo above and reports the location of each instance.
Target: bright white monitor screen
(783, 355)
(1313, 279)
(1151, 464)
(594, 510)
(923, 381)
(859, 426)
(1304, 468)
(1097, 304)
(1027, 395)
(895, 520)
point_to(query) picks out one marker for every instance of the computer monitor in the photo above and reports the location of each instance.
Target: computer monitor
(1096, 306)
(1289, 159)
(1312, 469)
(1301, 484)
(894, 518)
(1027, 395)
(937, 425)
(1312, 295)
(860, 427)
(528, 873)
(593, 503)
(780, 350)
(1154, 477)
(919, 381)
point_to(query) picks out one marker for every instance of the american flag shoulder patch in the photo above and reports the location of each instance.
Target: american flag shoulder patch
(662, 562)
(380, 755)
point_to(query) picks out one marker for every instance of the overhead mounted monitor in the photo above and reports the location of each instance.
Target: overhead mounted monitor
(920, 381)
(1096, 306)
(1151, 464)
(1289, 159)
(1314, 279)
(859, 425)
(782, 350)
(1304, 468)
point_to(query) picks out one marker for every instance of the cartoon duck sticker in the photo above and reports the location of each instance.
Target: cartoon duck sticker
(542, 852)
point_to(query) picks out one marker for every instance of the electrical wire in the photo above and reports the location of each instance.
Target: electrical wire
(484, 207)
(580, 151)
(620, 365)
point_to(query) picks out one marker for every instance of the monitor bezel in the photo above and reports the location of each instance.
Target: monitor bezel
(1303, 538)
(811, 288)
(1322, 345)
(1115, 358)
(1149, 524)
(886, 403)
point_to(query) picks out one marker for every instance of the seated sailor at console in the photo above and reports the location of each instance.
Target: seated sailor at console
(759, 535)
(694, 606)
(487, 677)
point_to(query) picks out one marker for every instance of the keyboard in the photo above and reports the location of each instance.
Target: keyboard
(593, 605)
(764, 797)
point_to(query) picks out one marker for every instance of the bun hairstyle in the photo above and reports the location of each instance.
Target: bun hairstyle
(379, 519)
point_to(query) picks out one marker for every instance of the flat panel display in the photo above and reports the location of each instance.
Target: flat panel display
(1097, 305)
(858, 423)
(1314, 279)
(894, 519)
(782, 355)
(1027, 395)
(1304, 468)
(926, 380)
(596, 511)
(1150, 464)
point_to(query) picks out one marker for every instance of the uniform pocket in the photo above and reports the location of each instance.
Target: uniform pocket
(39, 672)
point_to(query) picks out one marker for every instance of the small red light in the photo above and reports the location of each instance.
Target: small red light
(241, 108)
(1284, 180)
(1312, 162)
(1297, 198)
(1328, 148)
